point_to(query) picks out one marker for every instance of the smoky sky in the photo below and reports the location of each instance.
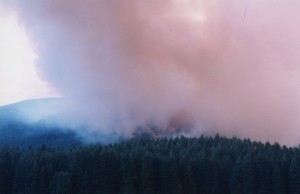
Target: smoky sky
(184, 67)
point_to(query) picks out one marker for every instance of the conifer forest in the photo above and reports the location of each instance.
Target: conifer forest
(181, 165)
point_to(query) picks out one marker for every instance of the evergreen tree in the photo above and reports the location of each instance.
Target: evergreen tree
(248, 175)
(61, 183)
(169, 177)
(236, 179)
(147, 176)
(186, 178)
(6, 172)
(294, 174)
(277, 181)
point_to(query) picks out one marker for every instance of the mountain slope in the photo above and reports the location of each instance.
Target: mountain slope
(22, 124)
(30, 110)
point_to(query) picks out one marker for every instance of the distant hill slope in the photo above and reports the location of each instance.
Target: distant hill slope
(40, 121)
(30, 110)
(20, 124)
(16, 134)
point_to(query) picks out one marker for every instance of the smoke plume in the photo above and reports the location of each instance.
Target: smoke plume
(173, 66)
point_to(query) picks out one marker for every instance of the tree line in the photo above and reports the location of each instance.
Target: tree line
(203, 165)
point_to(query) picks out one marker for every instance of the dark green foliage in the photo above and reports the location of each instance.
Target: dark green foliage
(182, 165)
(294, 174)
(61, 183)
(6, 172)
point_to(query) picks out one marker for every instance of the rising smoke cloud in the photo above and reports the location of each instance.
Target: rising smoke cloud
(190, 66)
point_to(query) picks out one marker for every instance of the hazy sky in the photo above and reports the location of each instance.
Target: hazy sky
(204, 65)
(19, 78)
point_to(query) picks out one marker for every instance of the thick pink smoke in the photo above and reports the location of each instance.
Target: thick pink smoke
(183, 66)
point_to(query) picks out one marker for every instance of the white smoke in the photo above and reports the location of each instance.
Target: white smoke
(180, 66)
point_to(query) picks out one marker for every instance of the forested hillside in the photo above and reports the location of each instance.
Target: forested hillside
(178, 165)
(23, 135)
